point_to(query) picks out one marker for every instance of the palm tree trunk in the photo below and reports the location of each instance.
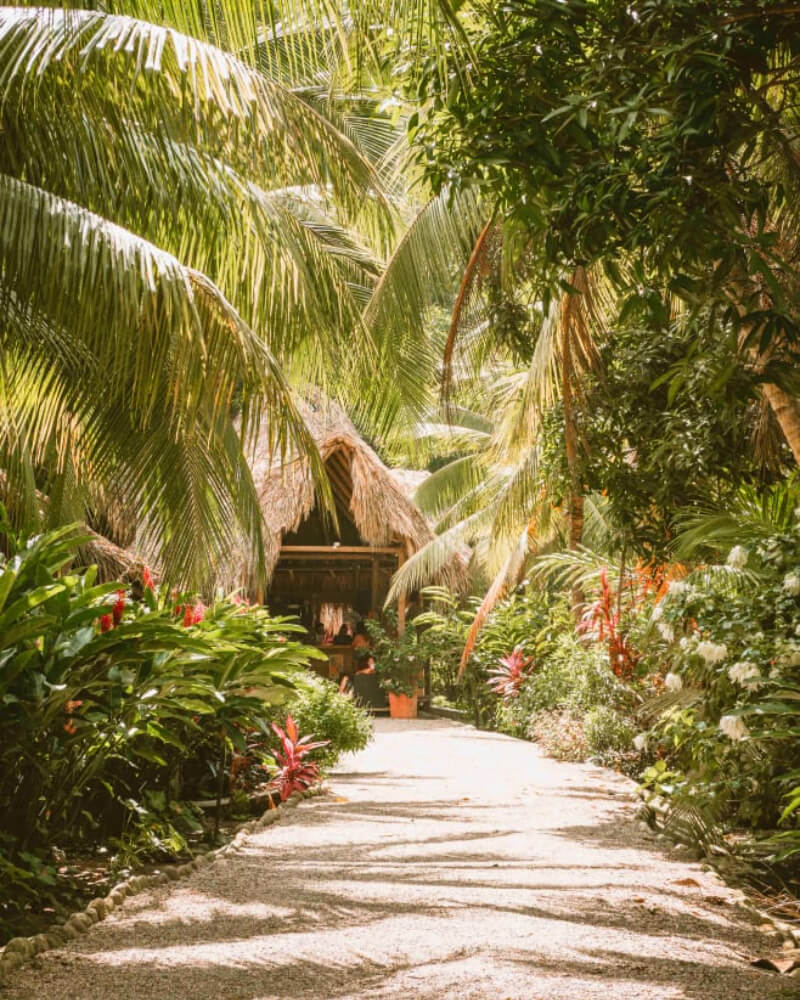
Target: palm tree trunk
(575, 514)
(785, 407)
(787, 412)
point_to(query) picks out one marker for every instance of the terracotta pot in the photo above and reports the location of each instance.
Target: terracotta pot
(402, 706)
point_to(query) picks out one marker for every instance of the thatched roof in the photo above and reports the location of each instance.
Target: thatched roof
(409, 480)
(113, 562)
(378, 505)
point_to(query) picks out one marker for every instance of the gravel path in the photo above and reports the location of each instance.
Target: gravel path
(445, 863)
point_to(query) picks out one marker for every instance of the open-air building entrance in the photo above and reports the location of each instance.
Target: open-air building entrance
(329, 573)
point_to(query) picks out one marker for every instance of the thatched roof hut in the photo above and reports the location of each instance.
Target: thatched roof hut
(112, 561)
(378, 524)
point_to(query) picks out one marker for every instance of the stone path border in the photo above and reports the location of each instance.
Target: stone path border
(444, 864)
(20, 950)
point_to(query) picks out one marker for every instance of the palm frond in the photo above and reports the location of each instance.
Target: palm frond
(426, 564)
(507, 577)
(754, 514)
(449, 484)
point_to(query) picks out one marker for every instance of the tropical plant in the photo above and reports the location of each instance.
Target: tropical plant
(602, 622)
(295, 774)
(115, 709)
(507, 677)
(208, 242)
(398, 661)
(317, 706)
(726, 722)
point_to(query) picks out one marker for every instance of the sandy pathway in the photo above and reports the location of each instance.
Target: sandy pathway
(445, 863)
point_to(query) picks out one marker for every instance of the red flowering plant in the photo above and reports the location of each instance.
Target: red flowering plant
(295, 774)
(507, 677)
(602, 622)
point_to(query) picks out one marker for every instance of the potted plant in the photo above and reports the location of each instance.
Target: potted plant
(397, 666)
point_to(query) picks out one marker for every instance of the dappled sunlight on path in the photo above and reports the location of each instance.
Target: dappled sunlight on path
(443, 863)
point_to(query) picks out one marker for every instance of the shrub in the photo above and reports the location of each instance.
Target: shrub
(295, 772)
(609, 737)
(320, 710)
(727, 723)
(110, 705)
(560, 734)
(398, 658)
(570, 676)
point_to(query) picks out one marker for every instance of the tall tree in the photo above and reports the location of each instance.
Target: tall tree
(185, 233)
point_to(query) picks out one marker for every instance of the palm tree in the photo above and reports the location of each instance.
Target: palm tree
(185, 234)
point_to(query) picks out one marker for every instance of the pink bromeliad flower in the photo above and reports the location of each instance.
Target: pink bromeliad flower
(506, 678)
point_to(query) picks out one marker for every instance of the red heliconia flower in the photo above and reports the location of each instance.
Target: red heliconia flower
(119, 607)
(106, 623)
(188, 615)
(199, 612)
(70, 706)
(147, 580)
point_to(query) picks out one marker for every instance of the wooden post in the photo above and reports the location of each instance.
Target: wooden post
(373, 599)
(401, 600)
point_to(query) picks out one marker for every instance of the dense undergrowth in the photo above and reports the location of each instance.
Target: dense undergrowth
(122, 709)
(688, 680)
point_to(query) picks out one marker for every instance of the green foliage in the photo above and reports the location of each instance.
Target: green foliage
(398, 658)
(608, 733)
(611, 133)
(322, 712)
(686, 410)
(727, 729)
(114, 710)
(442, 631)
(571, 701)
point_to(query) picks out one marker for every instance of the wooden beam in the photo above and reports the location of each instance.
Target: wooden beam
(304, 551)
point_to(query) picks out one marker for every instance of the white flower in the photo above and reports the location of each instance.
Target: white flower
(667, 631)
(677, 587)
(791, 583)
(685, 643)
(775, 673)
(737, 557)
(658, 611)
(733, 727)
(640, 741)
(746, 674)
(672, 682)
(797, 630)
(712, 652)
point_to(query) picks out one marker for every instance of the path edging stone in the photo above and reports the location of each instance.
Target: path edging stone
(20, 950)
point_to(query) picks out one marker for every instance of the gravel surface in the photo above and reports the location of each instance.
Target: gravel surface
(444, 863)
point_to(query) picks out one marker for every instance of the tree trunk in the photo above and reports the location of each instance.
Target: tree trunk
(785, 407)
(787, 412)
(575, 513)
